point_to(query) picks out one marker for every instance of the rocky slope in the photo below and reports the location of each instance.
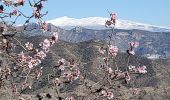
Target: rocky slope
(155, 85)
(154, 45)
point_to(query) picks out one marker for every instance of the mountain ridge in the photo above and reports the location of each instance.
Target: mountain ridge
(154, 45)
(98, 23)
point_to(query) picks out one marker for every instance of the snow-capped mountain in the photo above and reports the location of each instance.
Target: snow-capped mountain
(98, 23)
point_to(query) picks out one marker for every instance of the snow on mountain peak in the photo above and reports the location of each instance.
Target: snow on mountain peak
(98, 23)
(84, 22)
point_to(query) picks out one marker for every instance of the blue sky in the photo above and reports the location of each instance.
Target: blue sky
(155, 12)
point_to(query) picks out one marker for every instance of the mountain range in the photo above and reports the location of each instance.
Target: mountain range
(98, 23)
(153, 44)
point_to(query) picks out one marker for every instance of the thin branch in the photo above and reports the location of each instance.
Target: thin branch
(20, 43)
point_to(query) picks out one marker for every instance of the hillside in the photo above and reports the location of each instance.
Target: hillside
(154, 45)
(155, 85)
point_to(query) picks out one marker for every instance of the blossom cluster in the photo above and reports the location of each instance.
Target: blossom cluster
(122, 75)
(40, 54)
(69, 72)
(29, 46)
(135, 69)
(109, 95)
(70, 98)
(44, 26)
(112, 20)
(113, 50)
(102, 50)
(36, 8)
(132, 45)
(14, 13)
(15, 3)
(118, 74)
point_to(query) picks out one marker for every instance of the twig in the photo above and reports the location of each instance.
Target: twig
(20, 44)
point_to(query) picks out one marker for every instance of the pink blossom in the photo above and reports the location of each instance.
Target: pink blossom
(107, 94)
(36, 50)
(14, 88)
(70, 98)
(5, 28)
(20, 2)
(110, 95)
(41, 55)
(134, 44)
(113, 16)
(70, 76)
(30, 87)
(112, 20)
(113, 50)
(131, 67)
(28, 58)
(7, 2)
(108, 23)
(61, 67)
(142, 69)
(127, 77)
(76, 74)
(29, 46)
(37, 62)
(101, 50)
(61, 61)
(72, 65)
(54, 37)
(118, 74)
(66, 74)
(45, 45)
(57, 81)
(44, 26)
(33, 61)
(22, 57)
(30, 64)
(110, 70)
(135, 91)
(14, 12)
(131, 52)
(104, 93)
